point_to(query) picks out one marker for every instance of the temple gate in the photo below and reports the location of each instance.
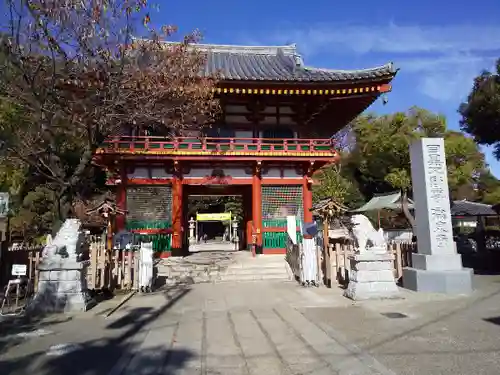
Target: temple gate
(274, 133)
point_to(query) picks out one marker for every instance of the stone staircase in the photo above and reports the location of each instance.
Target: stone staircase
(223, 267)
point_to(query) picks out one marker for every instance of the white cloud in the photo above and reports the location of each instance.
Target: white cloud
(447, 77)
(442, 59)
(392, 38)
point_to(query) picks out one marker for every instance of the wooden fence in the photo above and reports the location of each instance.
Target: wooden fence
(112, 269)
(26, 254)
(336, 265)
(108, 269)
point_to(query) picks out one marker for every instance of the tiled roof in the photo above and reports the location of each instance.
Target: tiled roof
(466, 208)
(278, 63)
(389, 201)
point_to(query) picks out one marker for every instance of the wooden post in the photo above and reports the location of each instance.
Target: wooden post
(93, 264)
(332, 265)
(338, 256)
(121, 199)
(399, 260)
(326, 242)
(102, 266)
(37, 262)
(30, 265)
(136, 270)
(129, 268)
(347, 252)
(116, 269)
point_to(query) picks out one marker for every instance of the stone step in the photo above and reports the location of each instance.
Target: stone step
(254, 270)
(254, 277)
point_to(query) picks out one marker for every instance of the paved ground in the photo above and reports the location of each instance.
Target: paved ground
(264, 328)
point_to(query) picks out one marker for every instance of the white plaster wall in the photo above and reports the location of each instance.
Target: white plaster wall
(202, 172)
(154, 173)
(287, 173)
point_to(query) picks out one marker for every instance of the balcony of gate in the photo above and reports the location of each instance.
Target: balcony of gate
(220, 147)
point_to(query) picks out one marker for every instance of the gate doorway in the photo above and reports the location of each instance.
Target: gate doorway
(213, 231)
(214, 209)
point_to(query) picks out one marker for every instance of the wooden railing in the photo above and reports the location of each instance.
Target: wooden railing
(207, 145)
(115, 270)
(336, 265)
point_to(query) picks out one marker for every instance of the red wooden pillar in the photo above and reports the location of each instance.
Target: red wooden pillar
(176, 213)
(308, 201)
(121, 199)
(257, 207)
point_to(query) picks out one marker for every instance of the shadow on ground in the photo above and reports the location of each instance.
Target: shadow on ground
(15, 329)
(102, 355)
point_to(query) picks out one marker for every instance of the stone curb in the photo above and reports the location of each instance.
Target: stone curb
(121, 303)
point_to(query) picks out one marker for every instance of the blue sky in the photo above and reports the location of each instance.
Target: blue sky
(438, 45)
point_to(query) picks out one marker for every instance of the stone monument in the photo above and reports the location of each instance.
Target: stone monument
(62, 281)
(436, 267)
(372, 275)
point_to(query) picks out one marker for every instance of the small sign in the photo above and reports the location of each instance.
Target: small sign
(19, 270)
(225, 216)
(4, 204)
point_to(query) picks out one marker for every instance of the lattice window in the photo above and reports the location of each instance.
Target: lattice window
(280, 201)
(149, 204)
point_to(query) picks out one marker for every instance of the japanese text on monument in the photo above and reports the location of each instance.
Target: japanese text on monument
(436, 167)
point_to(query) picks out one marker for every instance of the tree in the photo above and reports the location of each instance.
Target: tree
(333, 182)
(488, 188)
(481, 112)
(381, 161)
(77, 74)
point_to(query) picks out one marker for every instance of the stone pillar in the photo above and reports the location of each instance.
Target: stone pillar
(236, 238)
(192, 238)
(307, 198)
(257, 207)
(436, 267)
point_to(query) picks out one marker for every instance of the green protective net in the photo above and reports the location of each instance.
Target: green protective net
(278, 202)
(150, 207)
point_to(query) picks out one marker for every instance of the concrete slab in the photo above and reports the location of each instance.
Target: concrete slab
(272, 328)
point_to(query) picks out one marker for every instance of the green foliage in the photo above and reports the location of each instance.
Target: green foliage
(331, 184)
(381, 156)
(488, 188)
(333, 181)
(481, 112)
(399, 179)
(37, 214)
(235, 206)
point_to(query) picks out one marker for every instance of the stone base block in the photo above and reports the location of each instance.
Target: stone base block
(371, 277)
(61, 290)
(447, 262)
(447, 282)
(371, 290)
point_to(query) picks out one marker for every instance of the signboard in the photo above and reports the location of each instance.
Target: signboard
(19, 269)
(224, 216)
(4, 204)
